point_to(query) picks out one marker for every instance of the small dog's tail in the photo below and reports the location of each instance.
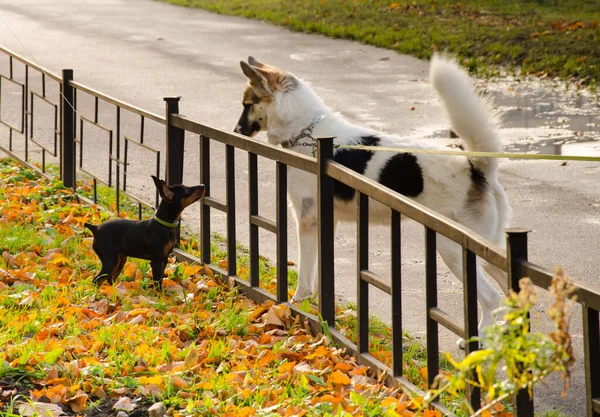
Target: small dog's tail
(92, 227)
(472, 117)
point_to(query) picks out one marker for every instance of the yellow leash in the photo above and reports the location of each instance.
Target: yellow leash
(508, 155)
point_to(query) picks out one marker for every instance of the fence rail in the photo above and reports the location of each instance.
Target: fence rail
(513, 260)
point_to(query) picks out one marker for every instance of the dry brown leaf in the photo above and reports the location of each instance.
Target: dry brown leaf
(78, 403)
(339, 378)
(40, 409)
(272, 318)
(125, 404)
(117, 392)
(179, 382)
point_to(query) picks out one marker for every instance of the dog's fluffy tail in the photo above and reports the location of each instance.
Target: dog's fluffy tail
(471, 115)
(92, 227)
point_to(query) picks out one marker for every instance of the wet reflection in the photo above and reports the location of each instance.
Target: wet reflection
(549, 121)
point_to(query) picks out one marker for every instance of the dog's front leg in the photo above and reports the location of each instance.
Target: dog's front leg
(158, 271)
(308, 248)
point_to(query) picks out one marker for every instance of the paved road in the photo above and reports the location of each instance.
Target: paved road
(141, 51)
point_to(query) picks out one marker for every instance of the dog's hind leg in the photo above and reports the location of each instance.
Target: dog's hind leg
(488, 297)
(109, 264)
(499, 275)
(122, 259)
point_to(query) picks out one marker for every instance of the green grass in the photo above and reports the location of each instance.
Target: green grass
(557, 37)
(232, 317)
(197, 345)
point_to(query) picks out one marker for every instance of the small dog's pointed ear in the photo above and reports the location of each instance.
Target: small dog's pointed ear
(156, 182)
(163, 189)
(257, 80)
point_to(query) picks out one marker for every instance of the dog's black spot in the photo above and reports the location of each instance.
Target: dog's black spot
(356, 160)
(477, 189)
(477, 176)
(403, 174)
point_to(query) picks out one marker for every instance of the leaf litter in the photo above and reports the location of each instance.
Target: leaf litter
(70, 348)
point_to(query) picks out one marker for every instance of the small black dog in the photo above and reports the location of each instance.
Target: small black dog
(151, 239)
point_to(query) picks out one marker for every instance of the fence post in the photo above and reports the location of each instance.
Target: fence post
(67, 131)
(591, 347)
(325, 236)
(175, 142)
(516, 252)
(175, 147)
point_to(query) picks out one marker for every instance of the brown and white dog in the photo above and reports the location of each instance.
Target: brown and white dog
(464, 189)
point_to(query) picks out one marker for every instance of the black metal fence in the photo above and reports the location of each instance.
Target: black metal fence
(513, 261)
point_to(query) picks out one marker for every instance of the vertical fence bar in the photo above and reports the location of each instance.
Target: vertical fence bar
(67, 142)
(591, 347)
(175, 149)
(470, 307)
(281, 221)
(205, 210)
(80, 143)
(118, 161)
(25, 107)
(30, 124)
(75, 111)
(110, 157)
(326, 229)
(396, 281)
(433, 355)
(125, 159)
(56, 131)
(156, 196)
(230, 198)
(516, 252)
(253, 211)
(362, 264)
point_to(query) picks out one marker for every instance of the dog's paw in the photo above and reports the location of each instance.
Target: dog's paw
(296, 299)
(300, 295)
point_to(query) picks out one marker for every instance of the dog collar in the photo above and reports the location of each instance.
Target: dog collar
(164, 223)
(306, 133)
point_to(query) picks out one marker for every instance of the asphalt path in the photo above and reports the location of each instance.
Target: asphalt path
(141, 51)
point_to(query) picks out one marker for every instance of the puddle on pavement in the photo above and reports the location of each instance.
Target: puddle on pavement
(547, 120)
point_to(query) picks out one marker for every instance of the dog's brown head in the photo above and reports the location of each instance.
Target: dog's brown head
(265, 82)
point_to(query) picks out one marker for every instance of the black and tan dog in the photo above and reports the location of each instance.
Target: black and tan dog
(151, 239)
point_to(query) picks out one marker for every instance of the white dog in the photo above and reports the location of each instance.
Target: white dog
(463, 189)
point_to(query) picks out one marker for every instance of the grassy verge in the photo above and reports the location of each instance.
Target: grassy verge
(554, 37)
(85, 349)
(198, 346)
